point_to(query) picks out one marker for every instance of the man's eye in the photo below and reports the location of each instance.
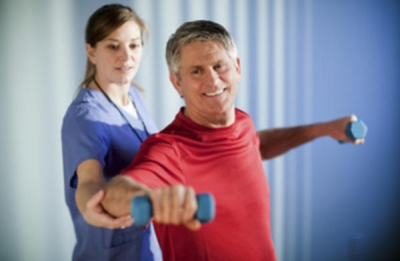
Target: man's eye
(134, 46)
(195, 71)
(218, 66)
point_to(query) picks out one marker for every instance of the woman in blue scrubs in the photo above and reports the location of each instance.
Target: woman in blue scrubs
(102, 130)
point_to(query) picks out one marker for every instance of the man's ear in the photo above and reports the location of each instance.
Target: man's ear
(176, 83)
(90, 53)
(238, 68)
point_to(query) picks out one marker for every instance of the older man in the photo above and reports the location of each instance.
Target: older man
(210, 147)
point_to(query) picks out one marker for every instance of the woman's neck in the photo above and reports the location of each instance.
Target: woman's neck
(117, 93)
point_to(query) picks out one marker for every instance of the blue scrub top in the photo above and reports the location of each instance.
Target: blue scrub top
(94, 129)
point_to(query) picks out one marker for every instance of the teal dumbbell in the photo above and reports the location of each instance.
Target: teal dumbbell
(142, 209)
(356, 130)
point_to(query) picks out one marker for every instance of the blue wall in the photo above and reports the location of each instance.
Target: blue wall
(356, 190)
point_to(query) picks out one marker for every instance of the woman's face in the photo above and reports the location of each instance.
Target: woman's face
(117, 57)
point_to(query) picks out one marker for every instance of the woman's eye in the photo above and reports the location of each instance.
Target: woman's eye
(113, 47)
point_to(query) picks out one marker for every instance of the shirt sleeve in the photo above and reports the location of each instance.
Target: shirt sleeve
(157, 163)
(83, 138)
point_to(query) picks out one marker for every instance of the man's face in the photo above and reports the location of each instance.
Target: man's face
(208, 79)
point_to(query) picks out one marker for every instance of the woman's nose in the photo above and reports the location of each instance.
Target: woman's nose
(125, 53)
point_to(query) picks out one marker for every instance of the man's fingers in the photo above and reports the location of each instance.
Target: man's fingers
(359, 141)
(156, 198)
(166, 205)
(174, 204)
(193, 225)
(177, 193)
(189, 205)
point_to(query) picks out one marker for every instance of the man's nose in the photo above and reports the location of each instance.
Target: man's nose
(211, 77)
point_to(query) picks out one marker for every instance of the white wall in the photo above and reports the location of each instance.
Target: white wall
(37, 85)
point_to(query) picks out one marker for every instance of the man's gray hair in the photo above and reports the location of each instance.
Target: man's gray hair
(197, 31)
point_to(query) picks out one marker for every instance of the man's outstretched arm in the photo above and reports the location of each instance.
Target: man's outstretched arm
(275, 142)
(175, 205)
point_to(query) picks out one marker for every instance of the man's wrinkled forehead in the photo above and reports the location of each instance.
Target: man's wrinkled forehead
(197, 52)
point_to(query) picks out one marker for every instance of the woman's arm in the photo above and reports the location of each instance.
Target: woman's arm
(89, 195)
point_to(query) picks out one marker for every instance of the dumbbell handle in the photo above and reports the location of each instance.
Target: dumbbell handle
(356, 130)
(142, 209)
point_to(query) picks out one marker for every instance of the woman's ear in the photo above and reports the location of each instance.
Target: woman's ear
(90, 53)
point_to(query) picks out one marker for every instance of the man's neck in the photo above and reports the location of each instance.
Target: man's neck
(212, 121)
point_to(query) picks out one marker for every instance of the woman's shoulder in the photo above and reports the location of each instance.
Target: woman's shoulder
(87, 107)
(89, 103)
